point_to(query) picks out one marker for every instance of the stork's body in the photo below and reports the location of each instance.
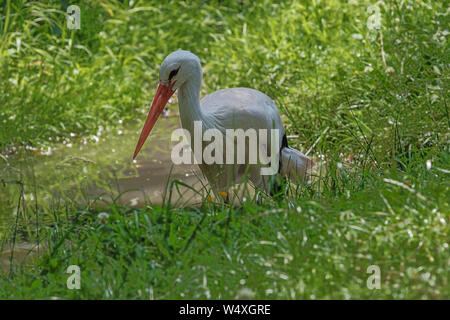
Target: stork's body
(235, 108)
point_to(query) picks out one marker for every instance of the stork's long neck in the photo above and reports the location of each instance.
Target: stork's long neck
(189, 104)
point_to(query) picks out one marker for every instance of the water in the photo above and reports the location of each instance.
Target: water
(97, 171)
(20, 253)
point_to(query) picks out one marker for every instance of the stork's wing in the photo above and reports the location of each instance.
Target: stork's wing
(242, 108)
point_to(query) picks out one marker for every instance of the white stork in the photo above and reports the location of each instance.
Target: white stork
(236, 108)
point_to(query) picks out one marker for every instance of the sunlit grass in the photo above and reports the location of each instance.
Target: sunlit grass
(372, 104)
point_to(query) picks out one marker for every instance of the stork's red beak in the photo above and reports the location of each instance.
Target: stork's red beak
(163, 95)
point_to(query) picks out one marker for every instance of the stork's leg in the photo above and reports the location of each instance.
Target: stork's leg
(215, 176)
(270, 185)
(258, 197)
(224, 195)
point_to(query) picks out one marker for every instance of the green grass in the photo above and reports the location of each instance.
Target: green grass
(377, 123)
(306, 248)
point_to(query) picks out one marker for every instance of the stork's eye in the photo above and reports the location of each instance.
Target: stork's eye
(173, 73)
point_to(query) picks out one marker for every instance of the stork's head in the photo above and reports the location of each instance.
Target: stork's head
(177, 69)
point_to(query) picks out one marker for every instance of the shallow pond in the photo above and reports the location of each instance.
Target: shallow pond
(98, 170)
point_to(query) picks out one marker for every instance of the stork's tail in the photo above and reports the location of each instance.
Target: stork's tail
(294, 164)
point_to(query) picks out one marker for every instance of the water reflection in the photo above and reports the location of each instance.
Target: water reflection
(95, 171)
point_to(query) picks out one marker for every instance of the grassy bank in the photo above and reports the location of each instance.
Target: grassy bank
(372, 103)
(303, 248)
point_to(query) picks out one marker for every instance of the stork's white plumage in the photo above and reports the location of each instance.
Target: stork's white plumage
(236, 108)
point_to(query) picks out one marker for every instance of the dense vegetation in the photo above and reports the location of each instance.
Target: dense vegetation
(371, 103)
